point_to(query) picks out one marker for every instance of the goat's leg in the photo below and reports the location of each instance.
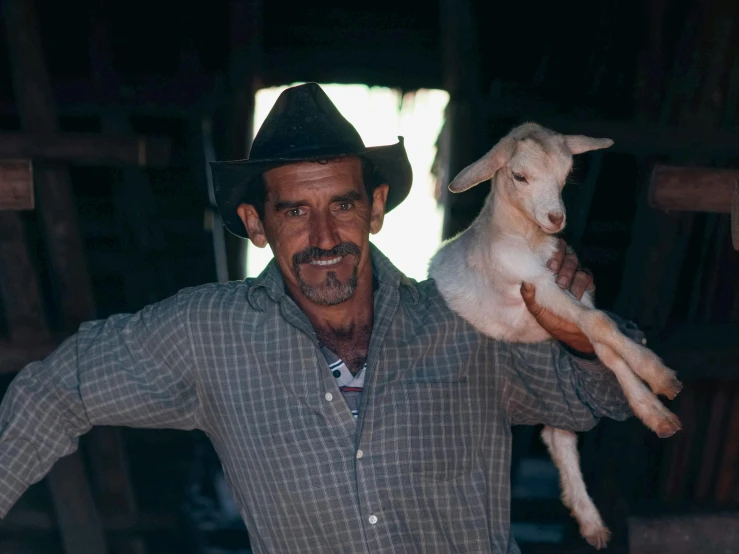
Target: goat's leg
(660, 382)
(607, 342)
(598, 327)
(562, 446)
(645, 363)
(646, 406)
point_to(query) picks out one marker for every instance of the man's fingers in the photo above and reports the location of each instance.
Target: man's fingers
(582, 281)
(558, 257)
(567, 271)
(528, 292)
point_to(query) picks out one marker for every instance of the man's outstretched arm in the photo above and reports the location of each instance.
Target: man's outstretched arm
(547, 384)
(130, 369)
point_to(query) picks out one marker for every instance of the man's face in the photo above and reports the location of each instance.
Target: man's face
(317, 221)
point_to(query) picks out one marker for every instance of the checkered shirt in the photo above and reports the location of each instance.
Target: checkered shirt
(425, 468)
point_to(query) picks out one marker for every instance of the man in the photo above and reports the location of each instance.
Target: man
(353, 412)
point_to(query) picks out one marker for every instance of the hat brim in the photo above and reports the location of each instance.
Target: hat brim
(233, 180)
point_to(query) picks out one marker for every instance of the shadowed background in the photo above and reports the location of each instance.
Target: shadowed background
(120, 105)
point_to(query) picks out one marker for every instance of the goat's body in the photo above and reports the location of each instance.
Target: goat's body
(479, 274)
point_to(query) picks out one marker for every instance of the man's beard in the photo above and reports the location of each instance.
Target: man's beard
(331, 291)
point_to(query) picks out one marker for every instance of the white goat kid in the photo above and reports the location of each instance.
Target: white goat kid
(480, 271)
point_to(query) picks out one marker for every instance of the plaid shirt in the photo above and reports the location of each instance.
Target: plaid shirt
(427, 463)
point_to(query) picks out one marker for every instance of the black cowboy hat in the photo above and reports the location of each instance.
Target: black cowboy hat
(304, 125)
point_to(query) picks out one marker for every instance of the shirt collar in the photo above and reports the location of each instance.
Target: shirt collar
(271, 282)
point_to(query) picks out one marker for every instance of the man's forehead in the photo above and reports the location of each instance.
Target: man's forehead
(333, 165)
(314, 176)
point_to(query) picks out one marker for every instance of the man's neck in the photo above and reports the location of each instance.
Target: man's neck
(345, 328)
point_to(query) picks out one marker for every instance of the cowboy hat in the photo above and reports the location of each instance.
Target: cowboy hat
(304, 125)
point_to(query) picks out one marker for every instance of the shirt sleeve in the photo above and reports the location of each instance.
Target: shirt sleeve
(130, 369)
(546, 383)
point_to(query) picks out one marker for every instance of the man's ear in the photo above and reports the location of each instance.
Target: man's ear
(254, 227)
(379, 197)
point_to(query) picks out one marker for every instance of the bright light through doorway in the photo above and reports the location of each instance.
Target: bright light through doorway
(412, 231)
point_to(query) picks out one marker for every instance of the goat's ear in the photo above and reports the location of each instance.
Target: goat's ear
(577, 144)
(484, 168)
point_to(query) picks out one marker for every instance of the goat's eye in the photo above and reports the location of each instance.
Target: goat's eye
(520, 178)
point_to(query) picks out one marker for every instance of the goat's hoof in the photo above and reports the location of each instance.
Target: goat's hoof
(597, 537)
(670, 389)
(668, 426)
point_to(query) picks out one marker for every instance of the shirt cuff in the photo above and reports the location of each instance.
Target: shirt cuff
(11, 489)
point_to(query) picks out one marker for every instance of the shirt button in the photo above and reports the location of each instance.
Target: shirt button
(337, 373)
(328, 396)
(373, 519)
(359, 454)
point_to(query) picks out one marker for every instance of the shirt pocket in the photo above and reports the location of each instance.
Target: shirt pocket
(436, 375)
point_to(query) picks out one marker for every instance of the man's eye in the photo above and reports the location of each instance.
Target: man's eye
(344, 206)
(519, 177)
(295, 212)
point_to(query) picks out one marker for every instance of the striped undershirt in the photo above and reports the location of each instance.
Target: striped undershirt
(350, 386)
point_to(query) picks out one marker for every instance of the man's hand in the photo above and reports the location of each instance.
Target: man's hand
(565, 265)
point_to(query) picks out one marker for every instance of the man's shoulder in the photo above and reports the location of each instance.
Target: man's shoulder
(428, 292)
(212, 289)
(431, 302)
(213, 295)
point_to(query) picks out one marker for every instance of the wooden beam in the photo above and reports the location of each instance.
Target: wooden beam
(78, 519)
(688, 534)
(88, 148)
(461, 75)
(659, 246)
(139, 230)
(16, 185)
(135, 206)
(735, 216)
(649, 139)
(202, 152)
(727, 474)
(697, 189)
(19, 289)
(56, 206)
(109, 468)
(155, 95)
(245, 64)
(692, 189)
(79, 522)
(715, 439)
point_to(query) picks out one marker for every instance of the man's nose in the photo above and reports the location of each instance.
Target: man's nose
(324, 233)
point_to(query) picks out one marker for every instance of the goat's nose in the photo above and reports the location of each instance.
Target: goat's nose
(556, 217)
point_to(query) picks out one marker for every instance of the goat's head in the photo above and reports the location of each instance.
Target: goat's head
(531, 165)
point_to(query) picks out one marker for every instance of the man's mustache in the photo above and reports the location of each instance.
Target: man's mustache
(314, 253)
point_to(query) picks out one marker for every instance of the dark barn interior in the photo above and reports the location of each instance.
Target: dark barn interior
(121, 105)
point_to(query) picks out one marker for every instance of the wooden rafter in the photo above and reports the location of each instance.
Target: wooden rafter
(88, 148)
(245, 64)
(697, 189)
(16, 185)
